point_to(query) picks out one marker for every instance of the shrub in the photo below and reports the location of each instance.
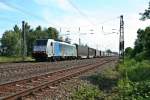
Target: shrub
(135, 81)
(86, 92)
(129, 90)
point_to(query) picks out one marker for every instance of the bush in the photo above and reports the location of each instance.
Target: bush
(105, 80)
(135, 71)
(129, 90)
(141, 56)
(86, 92)
(135, 81)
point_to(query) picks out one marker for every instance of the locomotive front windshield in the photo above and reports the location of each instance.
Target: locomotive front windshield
(41, 42)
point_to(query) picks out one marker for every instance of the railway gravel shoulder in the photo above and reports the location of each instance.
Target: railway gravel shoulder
(48, 80)
(17, 71)
(65, 90)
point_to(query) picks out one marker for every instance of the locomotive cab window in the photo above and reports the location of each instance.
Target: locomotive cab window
(51, 43)
(41, 42)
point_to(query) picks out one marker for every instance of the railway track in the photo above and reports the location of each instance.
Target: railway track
(18, 89)
(15, 71)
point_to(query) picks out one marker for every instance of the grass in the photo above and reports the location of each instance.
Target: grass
(135, 80)
(101, 86)
(87, 92)
(135, 71)
(14, 59)
(105, 80)
(129, 81)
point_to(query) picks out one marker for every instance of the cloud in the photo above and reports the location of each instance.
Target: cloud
(52, 8)
(60, 13)
(5, 7)
(65, 5)
(61, 4)
(132, 24)
(43, 2)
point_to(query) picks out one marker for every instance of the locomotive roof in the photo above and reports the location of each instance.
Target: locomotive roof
(62, 42)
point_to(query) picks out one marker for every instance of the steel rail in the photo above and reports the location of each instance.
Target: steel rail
(65, 73)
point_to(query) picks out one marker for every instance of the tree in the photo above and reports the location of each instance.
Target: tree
(11, 40)
(128, 51)
(39, 28)
(147, 40)
(142, 44)
(138, 43)
(146, 14)
(108, 51)
(16, 29)
(53, 33)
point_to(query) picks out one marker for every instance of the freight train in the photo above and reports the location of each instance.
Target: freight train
(49, 49)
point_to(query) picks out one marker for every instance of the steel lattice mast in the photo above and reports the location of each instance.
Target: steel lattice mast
(121, 39)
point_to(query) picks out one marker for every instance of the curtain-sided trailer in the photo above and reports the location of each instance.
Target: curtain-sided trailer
(98, 53)
(92, 53)
(86, 52)
(82, 51)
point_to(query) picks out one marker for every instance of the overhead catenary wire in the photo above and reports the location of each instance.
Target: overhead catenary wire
(38, 17)
(101, 24)
(23, 11)
(7, 19)
(107, 21)
(18, 9)
(80, 12)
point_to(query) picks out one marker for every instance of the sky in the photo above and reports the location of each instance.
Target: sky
(96, 19)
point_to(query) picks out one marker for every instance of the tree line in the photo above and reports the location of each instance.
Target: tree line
(141, 48)
(11, 40)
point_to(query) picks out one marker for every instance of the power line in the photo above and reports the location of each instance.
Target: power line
(20, 9)
(23, 11)
(7, 19)
(109, 20)
(31, 14)
(80, 12)
(106, 21)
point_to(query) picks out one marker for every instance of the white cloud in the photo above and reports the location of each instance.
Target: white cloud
(65, 5)
(48, 13)
(72, 20)
(5, 7)
(43, 2)
(132, 24)
(96, 40)
(62, 4)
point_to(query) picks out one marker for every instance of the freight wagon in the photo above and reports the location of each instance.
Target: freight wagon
(82, 51)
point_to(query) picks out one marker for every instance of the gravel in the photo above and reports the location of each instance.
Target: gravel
(16, 71)
(64, 90)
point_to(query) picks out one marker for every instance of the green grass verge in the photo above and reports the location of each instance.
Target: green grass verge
(129, 81)
(135, 80)
(14, 59)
